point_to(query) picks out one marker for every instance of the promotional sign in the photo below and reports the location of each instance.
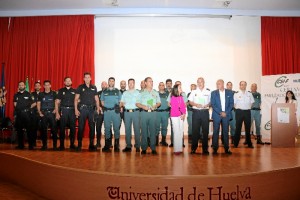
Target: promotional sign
(273, 90)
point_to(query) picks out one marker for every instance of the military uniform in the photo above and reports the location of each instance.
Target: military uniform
(67, 113)
(99, 122)
(86, 107)
(35, 119)
(162, 118)
(132, 117)
(189, 120)
(23, 115)
(111, 98)
(122, 113)
(256, 115)
(148, 118)
(200, 119)
(47, 107)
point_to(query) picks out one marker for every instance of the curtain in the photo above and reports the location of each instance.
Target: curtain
(43, 48)
(280, 38)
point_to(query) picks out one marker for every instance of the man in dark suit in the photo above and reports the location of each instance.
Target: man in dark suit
(222, 103)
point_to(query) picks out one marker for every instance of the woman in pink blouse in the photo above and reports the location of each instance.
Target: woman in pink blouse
(178, 112)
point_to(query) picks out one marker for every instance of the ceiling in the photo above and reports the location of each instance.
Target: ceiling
(239, 7)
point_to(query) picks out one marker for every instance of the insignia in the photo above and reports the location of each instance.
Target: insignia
(26, 97)
(83, 89)
(92, 89)
(44, 99)
(72, 92)
(32, 98)
(63, 93)
(17, 98)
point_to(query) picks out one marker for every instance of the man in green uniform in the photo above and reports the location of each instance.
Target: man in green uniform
(162, 116)
(131, 115)
(110, 99)
(148, 102)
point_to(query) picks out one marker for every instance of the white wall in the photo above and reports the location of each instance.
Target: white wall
(178, 48)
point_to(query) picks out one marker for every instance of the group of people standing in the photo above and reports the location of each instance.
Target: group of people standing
(147, 111)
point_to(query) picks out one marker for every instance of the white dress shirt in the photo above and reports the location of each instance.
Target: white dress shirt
(200, 97)
(222, 98)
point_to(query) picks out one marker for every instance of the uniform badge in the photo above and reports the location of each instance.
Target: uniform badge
(32, 98)
(83, 89)
(63, 93)
(17, 98)
(72, 92)
(26, 97)
(44, 99)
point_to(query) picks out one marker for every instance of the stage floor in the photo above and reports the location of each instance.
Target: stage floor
(263, 158)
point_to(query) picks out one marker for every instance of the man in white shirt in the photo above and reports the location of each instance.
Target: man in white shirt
(243, 101)
(199, 99)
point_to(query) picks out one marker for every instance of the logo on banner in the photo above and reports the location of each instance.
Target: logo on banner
(268, 125)
(281, 81)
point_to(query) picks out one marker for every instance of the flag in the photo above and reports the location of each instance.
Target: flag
(2, 111)
(27, 84)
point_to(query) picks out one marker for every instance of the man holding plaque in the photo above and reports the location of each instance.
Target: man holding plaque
(148, 102)
(199, 99)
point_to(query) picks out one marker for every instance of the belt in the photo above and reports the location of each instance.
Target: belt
(87, 106)
(105, 109)
(148, 111)
(201, 110)
(131, 110)
(243, 110)
(48, 110)
(25, 110)
(190, 109)
(67, 107)
(165, 110)
(255, 108)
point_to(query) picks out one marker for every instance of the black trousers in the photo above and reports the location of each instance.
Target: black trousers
(242, 116)
(86, 113)
(99, 123)
(23, 122)
(200, 119)
(35, 125)
(48, 120)
(67, 118)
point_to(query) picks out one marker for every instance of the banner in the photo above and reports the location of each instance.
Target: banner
(273, 90)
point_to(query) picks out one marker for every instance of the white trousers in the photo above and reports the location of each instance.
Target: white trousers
(177, 125)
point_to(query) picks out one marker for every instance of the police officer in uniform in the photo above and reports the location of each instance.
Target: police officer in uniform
(86, 102)
(35, 119)
(255, 112)
(65, 112)
(132, 116)
(110, 99)
(243, 101)
(148, 102)
(162, 115)
(46, 110)
(199, 99)
(100, 117)
(190, 114)
(23, 103)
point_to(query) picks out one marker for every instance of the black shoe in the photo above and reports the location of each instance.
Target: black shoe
(154, 152)
(171, 145)
(43, 148)
(78, 149)
(143, 152)
(19, 147)
(55, 149)
(127, 149)
(61, 148)
(228, 152)
(205, 152)
(137, 150)
(250, 146)
(106, 149)
(193, 152)
(245, 143)
(92, 148)
(215, 152)
(163, 143)
(72, 147)
(98, 145)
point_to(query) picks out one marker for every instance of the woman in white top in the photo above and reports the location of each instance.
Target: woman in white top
(290, 98)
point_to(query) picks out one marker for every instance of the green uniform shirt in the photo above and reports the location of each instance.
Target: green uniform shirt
(111, 97)
(129, 98)
(257, 100)
(149, 99)
(163, 98)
